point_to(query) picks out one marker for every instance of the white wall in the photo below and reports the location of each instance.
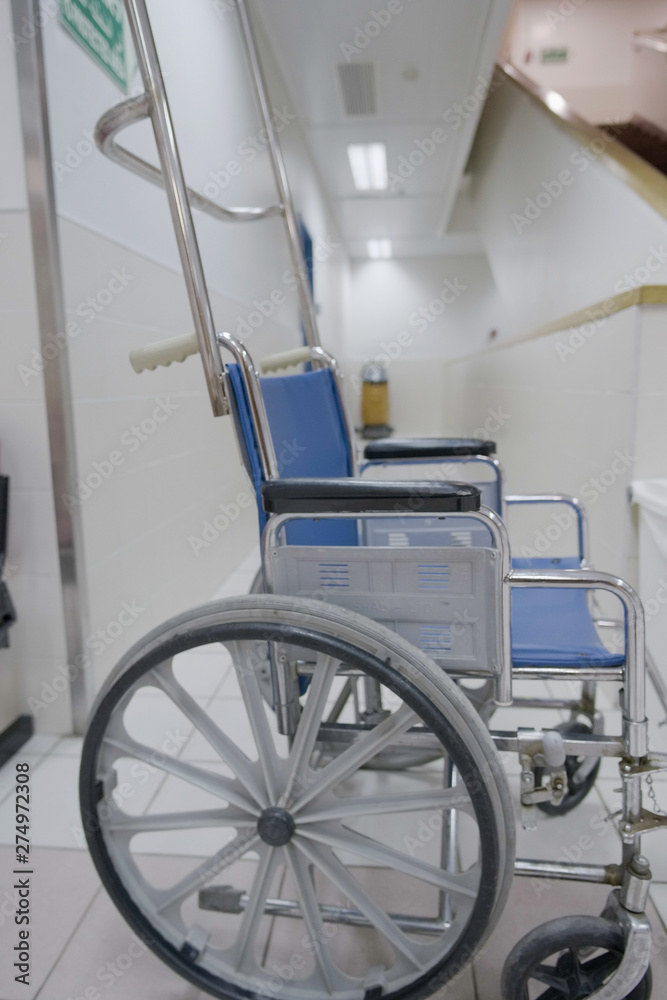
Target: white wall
(143, 508)
(649, 83)
(459, 307)
(583, 412)
(215, 119)
(32, 573)
(593, 236)
(598, 77)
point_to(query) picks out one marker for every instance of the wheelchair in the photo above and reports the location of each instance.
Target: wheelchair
(350, 827)
(537, 620)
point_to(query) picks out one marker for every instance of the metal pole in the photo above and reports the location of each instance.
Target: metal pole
(57, 384)
(280, 175)
(179, 205)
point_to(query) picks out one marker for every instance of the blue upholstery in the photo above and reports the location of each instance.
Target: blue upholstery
(309, 439)
(553, 627)
(550, 626)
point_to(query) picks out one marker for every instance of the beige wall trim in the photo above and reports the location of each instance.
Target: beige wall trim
(649, 183)
(645, 295)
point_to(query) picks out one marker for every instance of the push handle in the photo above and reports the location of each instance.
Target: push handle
(164, 353)
(287, 359)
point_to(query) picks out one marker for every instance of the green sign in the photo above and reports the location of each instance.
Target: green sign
(554, 55)
(99, 27)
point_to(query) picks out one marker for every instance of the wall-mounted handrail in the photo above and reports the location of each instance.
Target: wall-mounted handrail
(154, 104)
(137, 109)
(644, 295)
(179, 205)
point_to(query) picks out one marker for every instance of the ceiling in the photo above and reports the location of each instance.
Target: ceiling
(426, 57)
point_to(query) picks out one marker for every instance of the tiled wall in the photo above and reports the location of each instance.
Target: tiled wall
(560, 229)
(154, 464)
(580, 411)
(165, 503)
(37, 640)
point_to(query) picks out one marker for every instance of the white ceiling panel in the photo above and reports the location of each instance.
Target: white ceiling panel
(428, 57)
(426, 178)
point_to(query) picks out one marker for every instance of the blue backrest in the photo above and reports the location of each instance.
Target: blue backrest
(308, 431)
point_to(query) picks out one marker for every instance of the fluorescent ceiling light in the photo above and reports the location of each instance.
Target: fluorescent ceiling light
(379, 249)
(368, 163)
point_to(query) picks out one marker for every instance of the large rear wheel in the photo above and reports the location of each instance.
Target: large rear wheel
(261, 866)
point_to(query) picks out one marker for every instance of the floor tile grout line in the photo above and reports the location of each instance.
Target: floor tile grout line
(67, 943)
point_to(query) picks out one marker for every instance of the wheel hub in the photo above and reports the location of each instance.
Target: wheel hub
(276, 826)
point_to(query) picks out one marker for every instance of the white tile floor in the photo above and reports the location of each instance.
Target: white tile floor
(77, 931)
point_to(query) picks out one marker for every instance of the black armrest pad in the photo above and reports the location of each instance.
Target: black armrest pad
(394, 448)
(356, 496)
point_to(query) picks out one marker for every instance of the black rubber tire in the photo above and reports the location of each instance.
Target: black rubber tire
(560, 936)
(575, 793)
(317, 626)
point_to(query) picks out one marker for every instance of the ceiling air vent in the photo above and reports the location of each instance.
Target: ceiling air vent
(358, 87)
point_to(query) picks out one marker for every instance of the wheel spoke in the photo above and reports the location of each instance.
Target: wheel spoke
(324, 859)
(254, 911)
(366, 747)
(208, 869)
(342, 839)
(242, 766)
(341, 701)
(547, 974)
(377, 805)
(246, 675)
(310, 911)
(178, 820)
(309, 724)
(598, 969)
(575, 964)
(216, 784)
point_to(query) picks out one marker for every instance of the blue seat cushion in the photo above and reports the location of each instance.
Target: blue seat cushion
(553, 626)
(309, 439)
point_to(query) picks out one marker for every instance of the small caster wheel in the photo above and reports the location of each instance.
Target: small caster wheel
(572, 957)
(578, 787)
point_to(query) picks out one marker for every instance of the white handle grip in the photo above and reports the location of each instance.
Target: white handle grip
(286, 360)
(163, 353)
